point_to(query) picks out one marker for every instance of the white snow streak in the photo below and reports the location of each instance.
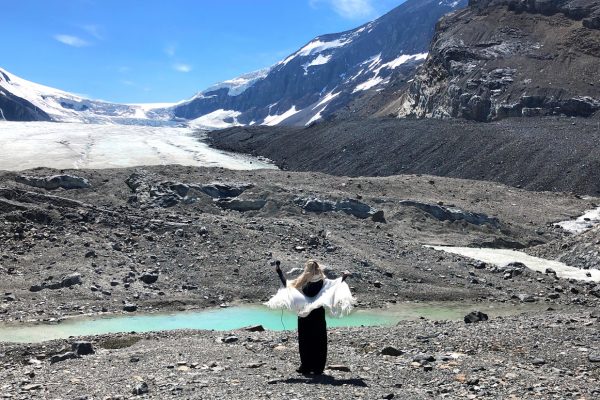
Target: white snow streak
(502, 257)
(216, 120)
(582, 224)
(316, 47)
(273, 120)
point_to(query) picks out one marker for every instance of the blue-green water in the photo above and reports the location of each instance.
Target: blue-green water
(224, 319)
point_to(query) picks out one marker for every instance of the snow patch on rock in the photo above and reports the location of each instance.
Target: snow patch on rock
(219, 119)
(273, 120)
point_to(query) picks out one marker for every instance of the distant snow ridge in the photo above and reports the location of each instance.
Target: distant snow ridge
(238, 85)
(62, 106)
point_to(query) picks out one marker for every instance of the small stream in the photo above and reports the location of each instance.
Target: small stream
(225, 319)
(502, 257)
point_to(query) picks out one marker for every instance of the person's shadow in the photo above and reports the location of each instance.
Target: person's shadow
(325, 380)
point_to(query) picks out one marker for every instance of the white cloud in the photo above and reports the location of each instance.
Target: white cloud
(350, 9)
(182, 67)
(170, 50)
(71, 40)
(94, 30)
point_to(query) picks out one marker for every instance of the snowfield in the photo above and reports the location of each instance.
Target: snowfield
(25, 145)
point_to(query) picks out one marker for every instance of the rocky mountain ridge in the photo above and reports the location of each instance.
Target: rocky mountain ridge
(510, 58)
(326, 74)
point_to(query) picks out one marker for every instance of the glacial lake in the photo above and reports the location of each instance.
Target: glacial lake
(226, 319)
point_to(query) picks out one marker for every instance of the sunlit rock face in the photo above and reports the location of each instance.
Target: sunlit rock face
(511, 58)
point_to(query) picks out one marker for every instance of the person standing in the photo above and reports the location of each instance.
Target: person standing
(309, 295)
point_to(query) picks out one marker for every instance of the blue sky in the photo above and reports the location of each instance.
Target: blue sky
(135, 51)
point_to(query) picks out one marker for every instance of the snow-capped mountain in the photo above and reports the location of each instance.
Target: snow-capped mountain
(324, 77)
(22, 100)
(326, 74)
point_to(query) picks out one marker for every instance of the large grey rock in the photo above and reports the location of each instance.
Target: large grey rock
(54, 182)
(140, 388)
(70, 280)
(63, 357)
(475, 316)
(348, 206)
(222, 190)
(149, 278)
(82, 348)
(241, 205)
(442, 213)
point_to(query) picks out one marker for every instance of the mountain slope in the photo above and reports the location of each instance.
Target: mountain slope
(326, 74)
(22, 100)
(510, 58)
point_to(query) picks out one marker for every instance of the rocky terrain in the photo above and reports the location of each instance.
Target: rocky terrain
(556, 154)
(510, 58)
(126, 241)
(547, 356)
(171, 238)
(582, 250)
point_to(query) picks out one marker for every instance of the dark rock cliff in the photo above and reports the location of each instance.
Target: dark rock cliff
(510, 58)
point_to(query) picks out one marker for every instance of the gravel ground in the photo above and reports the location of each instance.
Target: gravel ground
(556, 154)
(133, 240)
(551, 355)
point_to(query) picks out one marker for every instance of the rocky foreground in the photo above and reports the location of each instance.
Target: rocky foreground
(548, 356)
(151, 239)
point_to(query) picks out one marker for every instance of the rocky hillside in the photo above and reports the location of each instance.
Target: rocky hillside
(556, 154)
(510, 58)
(326, 74)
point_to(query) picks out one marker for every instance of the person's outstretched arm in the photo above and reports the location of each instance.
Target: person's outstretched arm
(345, 274)
(280, 273)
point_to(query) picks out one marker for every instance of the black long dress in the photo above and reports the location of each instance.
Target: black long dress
(312, 333)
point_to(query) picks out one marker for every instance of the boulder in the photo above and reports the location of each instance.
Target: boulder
(149, 278)
(70, 280)
(255, 328)
(140, 388)
(391, 351)
(220, 190)
(475, 316)
(129, 307)
(82, 348)
(348, 206)
(442, 213)
(54, 182)
(62, 357)
(240, 205)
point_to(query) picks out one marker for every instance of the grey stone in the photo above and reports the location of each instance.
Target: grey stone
(241, 205)
(82, 348)
(220, 190)
(129, 307)
(70, 280)
(54, 182)
(230, 339)
(443, 213)
(140, 388)
(475, 316)
(149, 278)
(391, 351)
(62, 357)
